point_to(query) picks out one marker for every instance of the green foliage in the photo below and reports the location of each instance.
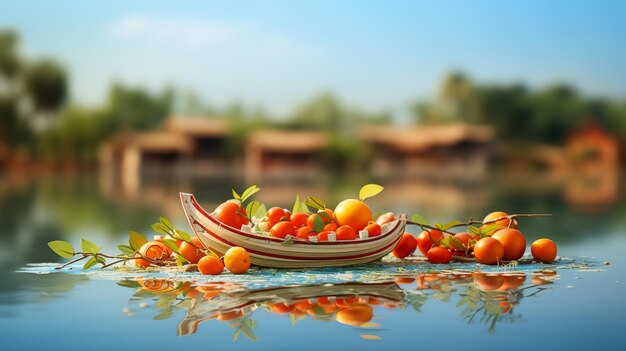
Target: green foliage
(62, 248)
(136, 240)
(88, 247)
(315, 202)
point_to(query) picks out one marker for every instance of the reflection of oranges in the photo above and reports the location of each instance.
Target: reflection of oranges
(210, 265)
(155, 285)
(512, 282)
(543, 250)
(489, 282)
(354, 213)
(488, 251)
(355, 315)
(230, 315)
(237, 260)
(513, 241)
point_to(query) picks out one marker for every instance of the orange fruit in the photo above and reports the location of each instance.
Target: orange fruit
(543, 250)
(406, 246)
(299, 219)
(346, 233)
(237, 260)
(282, 229)
(373, 229)
(488, 251)
(192, 251)
(501, 223)
(354, 213)
(513, 241)
(323, 236)
(275, 215)
(159, 239)
(153, 250)
(210, 265)
(355, 315)
(231, 214)
(305, 232)
(331, 227)
(428, 239)
(439, 255)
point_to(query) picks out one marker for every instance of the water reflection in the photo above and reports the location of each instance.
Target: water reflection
(484, 298)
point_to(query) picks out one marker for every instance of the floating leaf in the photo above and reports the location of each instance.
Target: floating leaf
(127, 283)
(252, 208)
(90, 263)
(166, 223)
(296, 205)
(417, 218)
(370, 337)
(62, 248)
(249, 192)
(182, 235)
(126, 250)
(369, 190)
(136, 240)
(88, 246)
(315, 202)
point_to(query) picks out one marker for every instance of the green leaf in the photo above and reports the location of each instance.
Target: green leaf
(88, 246)
(445, 242)
(252, 208)
(90, 263)
(456, 244)
(369, 190)
(62, 248)
(160, 228)
(261, 211)
(325, 215)
(180, 260)
(296, 205)
(127, 283)
(249, 192)
(167, 223)
(417, 218)
(236, 196)
(100, 259)
(318, 224)
(171, 244)
(449, 225)
(490, 229)
(136, 240)
(126, 250)
(303, 207)
(182, 235)
(315, 202)
(473, 230)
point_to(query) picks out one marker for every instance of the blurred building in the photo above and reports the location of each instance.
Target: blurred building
(450, 150)
(284, 154)
(183, 146)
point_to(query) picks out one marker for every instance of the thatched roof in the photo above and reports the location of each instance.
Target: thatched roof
(425, 137)
(153, 141)
(288, 141)
(198, 127)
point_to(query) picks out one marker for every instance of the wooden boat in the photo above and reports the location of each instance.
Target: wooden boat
(266, 251)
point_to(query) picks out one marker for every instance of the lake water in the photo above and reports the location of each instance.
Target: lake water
(575, 304)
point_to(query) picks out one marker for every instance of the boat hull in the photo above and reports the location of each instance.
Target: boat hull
(267, 251)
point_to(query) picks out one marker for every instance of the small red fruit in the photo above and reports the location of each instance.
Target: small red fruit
(346, 232)
(373, 229)
(428, 239)
(406, 246)
(232, 214)
(275, 215)
(299, 219)
(282, 229)
(439, 255)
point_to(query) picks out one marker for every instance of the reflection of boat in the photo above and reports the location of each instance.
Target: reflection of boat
(237, 301)
(291, 253)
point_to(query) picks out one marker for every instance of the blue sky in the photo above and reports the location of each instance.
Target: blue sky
(380, 55)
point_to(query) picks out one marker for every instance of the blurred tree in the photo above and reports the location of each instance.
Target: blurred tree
(28, 92)
(457, 101)
(135, 108)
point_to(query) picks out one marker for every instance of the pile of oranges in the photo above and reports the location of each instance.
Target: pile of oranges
(505, 242)
(344, 223)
